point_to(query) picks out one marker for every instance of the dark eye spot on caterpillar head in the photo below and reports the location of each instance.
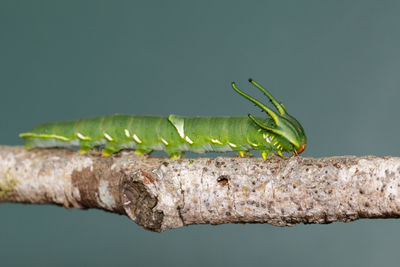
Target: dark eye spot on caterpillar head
(223, 180)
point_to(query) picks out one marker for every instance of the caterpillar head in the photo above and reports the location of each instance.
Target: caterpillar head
(284, 124)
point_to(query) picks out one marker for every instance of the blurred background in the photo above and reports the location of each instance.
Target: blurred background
(334, 64)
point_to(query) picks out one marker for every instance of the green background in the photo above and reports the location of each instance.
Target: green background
(335, 65)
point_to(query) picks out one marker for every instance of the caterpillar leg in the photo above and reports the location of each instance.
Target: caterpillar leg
(265, 154)
(243, 153)
(86, 146)
(174, 154)
(280, 154)
(111, 149)
(108, 152)
(177, 156)
(143, 151)
(83, 150)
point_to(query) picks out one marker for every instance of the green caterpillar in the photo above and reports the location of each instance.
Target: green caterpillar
(176, 135)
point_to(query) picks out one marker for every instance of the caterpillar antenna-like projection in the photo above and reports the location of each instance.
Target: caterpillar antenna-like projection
(270, 112)
(279, 106)
(176, 135)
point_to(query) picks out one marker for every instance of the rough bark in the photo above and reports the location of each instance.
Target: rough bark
(160, 193)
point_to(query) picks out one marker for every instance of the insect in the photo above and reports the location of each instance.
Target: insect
(176, 135)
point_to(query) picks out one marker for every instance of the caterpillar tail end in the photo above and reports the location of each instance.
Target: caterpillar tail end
(28, 140)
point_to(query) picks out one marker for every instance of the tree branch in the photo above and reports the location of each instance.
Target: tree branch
(160, 193)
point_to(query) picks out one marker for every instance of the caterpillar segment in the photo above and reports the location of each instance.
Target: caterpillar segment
(176, 135)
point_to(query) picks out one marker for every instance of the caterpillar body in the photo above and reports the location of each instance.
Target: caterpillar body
(176, 135)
